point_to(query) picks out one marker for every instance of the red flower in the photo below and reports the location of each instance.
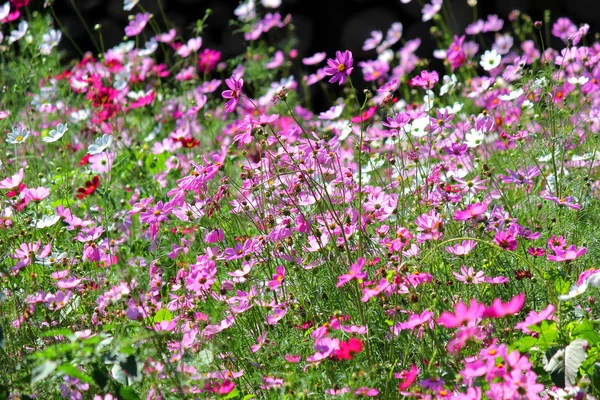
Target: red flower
(347, 349)
(366, 115)
(90, 187)
(85, 160)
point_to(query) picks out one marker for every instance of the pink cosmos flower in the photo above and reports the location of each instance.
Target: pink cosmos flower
(234, 92)
(12, 181)
(355, 273)
(426, 80)
(472, 210)
(340, 68)
(571, 253)
(408, 377)
(533, 318)
(499, 309)
(461, 249)
(505, 240)
(469, 276)
(462, 315)
(277, 279)
(137, 25)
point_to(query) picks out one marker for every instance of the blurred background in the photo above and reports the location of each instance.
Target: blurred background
(326, 25)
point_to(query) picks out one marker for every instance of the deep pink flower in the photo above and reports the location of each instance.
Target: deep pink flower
(340, 68)
(462, 315)
(277, 279)
(472, 210)
(571, 253)
(533, 318)
(234, 92)
(505, 240)
(426, 80)
(408, 377)
(499, 309)
(354, 273)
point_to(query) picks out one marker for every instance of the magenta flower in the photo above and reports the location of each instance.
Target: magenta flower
(426, 80)
(340, 68)
(277, 279)
(571, 253)
(234, 92)
(137, 25)
(499, 309)
(354, 273)
(533, 318)
(472, 210)
(462, 315)
(505, 240)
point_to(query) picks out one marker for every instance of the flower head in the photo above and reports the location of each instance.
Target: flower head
(340, 68)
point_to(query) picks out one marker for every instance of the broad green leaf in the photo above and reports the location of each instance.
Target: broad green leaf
(127, 393)
(233, 394)
(525, 343)
(163, 315)
(575, 354)
(74, 372)
(42, 371)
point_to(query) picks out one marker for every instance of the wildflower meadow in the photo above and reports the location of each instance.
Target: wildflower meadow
(177, 225)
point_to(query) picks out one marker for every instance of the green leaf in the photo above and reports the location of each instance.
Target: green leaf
(563, 364)
(74, 372)
(575, 354)
(127, 393)
(562, 285)
(585, 330)
(2, 338)
(57, 332)
(233, 394)
(596, 377)
(163, 315)
(42, 371)
(525, 343)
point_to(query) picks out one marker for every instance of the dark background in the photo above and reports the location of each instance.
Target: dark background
(326, 25)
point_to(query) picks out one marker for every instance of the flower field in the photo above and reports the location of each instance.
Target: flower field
(176, 225)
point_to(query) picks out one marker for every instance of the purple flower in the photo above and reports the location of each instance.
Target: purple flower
(136, 25)
(505, 240)
(426, 80)
(235, 86)
(340, 68)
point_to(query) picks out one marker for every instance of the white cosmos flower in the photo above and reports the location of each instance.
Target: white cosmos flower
(46, 221)
(515, 94)
(18, 33)
(333, 112)
(18, 135)
(50, 40)
(56, 134)
(490, 60)
(79, 115)
(474, 138)
(582, 80)
(129, 4)
(271, 3)
(4, 10)
(101, 144)
(418, 128)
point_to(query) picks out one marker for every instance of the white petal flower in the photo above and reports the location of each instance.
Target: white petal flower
(18, 135)
(4, 10)
(490, 60)
(101, 144)
(56, 134)
(49, 41)
(46, 221)
(18, 33)
(129, 4)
